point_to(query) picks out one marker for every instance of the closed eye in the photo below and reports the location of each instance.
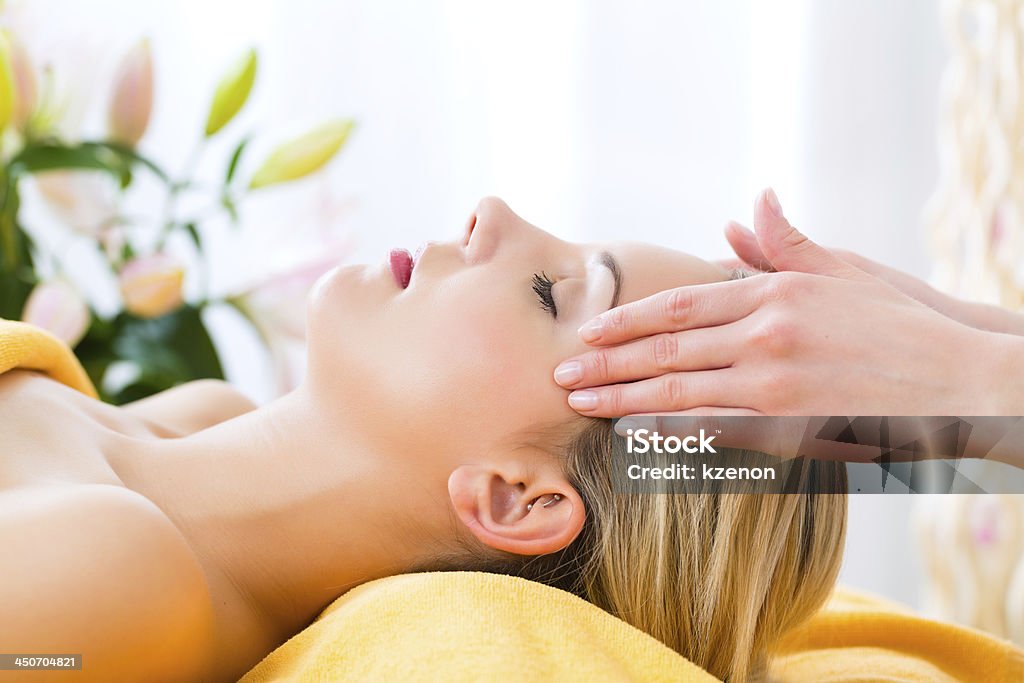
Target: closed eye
(542, 285)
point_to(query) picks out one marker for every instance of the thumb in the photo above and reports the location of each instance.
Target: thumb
(744, 244)
(786, 248)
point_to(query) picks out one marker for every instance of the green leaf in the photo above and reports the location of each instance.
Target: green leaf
(235, 158)
(14, 291)
(176, 344)
(94, 350)
(193, 232)
(169, 350)
(126, 177)
(132, 157)
(305, 154)
(17, 276)
(232, 92)
(146, 384)
(105, 156)
(127, 253)
(45, 156)
(231, 208)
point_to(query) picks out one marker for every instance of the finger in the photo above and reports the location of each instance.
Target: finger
(673, 310)
(706, 348)
(670, 392)
(744, 243)
(786, 248)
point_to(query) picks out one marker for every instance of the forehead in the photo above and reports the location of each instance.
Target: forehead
(648, 269)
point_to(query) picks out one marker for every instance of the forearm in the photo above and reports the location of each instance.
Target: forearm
(988, 317)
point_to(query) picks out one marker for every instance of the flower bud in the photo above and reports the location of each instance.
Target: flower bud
(132, 102)
(85, 200)
(232, 92)
(25, 85)
(151, 285)
(7, 87)
(303, 155)
(57, 307)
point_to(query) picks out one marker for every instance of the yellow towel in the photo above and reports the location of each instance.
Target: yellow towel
(863, 638)
(469, 626)
(32, 348)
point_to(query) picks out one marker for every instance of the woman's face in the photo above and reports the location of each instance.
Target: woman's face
(462, 358)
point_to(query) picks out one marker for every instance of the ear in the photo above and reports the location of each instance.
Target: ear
(516, 509)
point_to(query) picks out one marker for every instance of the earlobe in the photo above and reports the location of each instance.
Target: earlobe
(526, 517)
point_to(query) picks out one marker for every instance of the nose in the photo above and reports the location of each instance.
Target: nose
(490, 222)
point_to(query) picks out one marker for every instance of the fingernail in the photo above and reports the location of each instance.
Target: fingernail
(648, 422)
(583, 400)
(569, 373)
(745, 230)
(623, 426)
(773, 202)
(591, 331)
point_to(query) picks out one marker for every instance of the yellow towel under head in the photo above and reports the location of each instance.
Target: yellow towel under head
(470, 626)
(29, 347)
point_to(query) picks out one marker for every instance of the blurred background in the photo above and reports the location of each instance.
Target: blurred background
(658, 124)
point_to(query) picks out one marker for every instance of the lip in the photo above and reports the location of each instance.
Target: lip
(402, 263)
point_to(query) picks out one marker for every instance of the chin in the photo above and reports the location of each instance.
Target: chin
(358, 286)
(342, 298)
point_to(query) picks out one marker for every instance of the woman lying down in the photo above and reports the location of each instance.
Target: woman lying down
(192, 533)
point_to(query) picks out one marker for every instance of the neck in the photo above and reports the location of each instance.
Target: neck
(294, 507)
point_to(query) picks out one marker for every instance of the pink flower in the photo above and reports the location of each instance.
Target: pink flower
(57, 307)
(151, 285)
(132, 102)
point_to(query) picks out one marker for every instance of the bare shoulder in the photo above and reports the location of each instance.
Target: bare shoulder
(100, 570)
(192, 406)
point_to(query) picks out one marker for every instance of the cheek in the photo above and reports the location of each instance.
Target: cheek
(451, 366)
(473, 355)
(501, 368)
(482, 370)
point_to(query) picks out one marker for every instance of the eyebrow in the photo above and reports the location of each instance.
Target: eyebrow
(609, 262)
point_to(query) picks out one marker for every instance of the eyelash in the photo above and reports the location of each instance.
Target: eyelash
(542, 285)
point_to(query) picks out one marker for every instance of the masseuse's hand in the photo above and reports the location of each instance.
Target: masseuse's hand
(983, 316)
(819, 337)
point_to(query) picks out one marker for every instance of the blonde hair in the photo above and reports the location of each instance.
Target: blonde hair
(717, 577)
